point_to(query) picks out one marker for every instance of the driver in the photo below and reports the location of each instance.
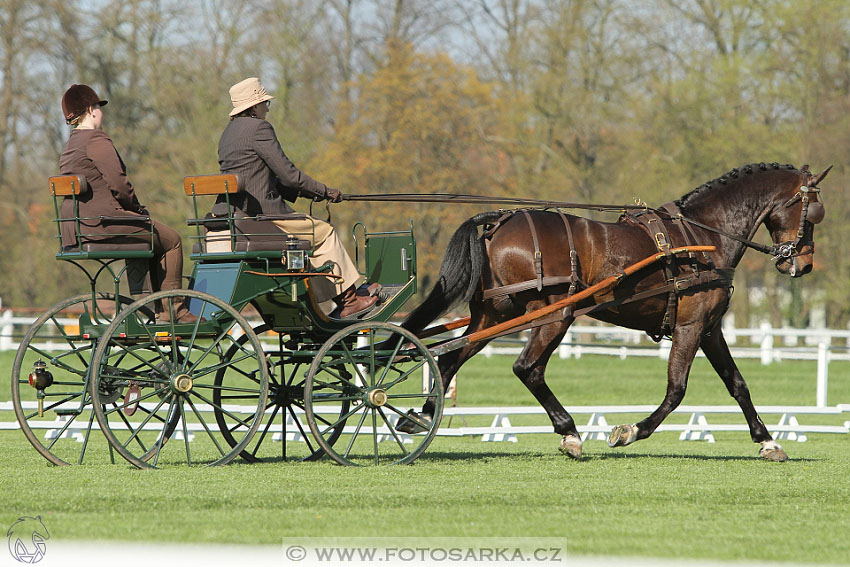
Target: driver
(249, 148)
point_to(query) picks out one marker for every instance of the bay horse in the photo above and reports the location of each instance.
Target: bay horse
(528, 259)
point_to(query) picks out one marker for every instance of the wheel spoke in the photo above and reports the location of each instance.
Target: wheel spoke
(394, 434)
(145, 421)
(404, 375)
(160, 442)
(265, 430)
(86, 438)
(301, 430)
(204, 425)
(139, 400)
(352, 362)
(422, 424)
(185, 434)
(130, 428)
(354, 435)
(221, 409)
(61, 432)
(375, 433)
(392, 356)
(342, 419)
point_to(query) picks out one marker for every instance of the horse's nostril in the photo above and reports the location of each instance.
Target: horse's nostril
(806, 269)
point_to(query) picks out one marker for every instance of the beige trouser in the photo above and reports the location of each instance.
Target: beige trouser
(326, 248)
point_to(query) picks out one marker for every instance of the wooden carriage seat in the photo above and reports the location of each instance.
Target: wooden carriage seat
(119, 246)
(253, 234)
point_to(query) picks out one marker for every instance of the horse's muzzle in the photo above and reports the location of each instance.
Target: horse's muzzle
(797, 265)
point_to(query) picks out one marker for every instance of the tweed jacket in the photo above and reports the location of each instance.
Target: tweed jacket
(90, 153)
(249, 148)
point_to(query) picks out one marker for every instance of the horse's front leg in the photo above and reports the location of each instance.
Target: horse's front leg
(686, 340)
(717, 352)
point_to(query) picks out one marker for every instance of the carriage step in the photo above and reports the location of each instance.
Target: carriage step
(67, 412)
(388, 291)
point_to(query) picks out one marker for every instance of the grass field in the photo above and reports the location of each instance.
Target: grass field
(657, 498)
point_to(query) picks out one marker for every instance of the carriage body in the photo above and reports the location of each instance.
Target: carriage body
(147, 381)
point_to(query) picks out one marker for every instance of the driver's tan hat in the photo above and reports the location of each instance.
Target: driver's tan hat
(246, 94)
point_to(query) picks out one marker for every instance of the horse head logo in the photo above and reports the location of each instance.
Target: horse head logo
(27, 539)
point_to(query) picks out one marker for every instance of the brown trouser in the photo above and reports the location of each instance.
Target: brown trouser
(326, 248)
(167, 262)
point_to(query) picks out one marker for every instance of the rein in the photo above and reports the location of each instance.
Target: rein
(461, 198)
(781, 250)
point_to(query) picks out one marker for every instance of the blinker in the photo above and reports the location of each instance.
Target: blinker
(815, 213)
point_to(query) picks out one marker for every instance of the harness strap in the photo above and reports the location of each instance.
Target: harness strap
(574, 277)
(538, 256)
(707, 280)
(654, 226)
(528, 284)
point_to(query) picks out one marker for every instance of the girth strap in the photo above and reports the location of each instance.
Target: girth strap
(574, 277)
(538, 256)
(654, 226)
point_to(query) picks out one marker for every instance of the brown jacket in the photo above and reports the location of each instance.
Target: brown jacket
(90, 153)
(249, 148)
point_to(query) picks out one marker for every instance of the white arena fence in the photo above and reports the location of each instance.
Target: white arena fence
(597, 427)
(774, 345)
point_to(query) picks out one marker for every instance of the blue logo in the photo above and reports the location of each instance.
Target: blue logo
(27, 539)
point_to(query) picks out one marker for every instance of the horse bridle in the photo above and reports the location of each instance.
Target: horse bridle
(812, 211)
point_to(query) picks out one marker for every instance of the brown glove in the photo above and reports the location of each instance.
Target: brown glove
(333, 195)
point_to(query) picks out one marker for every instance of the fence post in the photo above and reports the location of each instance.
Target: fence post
(6, 328)
(729, 332)
(823, 373)
(565, 350)
(766, 343)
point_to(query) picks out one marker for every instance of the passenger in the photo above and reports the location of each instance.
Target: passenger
(90, 153)
(249, 148)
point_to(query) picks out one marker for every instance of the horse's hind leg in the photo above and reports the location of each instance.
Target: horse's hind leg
(717, 352)
(530, 367)
(686, 340)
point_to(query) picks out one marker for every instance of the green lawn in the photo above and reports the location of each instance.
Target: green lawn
(657, 498)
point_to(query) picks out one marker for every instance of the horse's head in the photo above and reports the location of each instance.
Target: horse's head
(792, 224)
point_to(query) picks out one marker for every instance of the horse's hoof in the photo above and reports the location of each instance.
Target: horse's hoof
(413, 423)
(622, 435)
(772, 451)
(571, 447)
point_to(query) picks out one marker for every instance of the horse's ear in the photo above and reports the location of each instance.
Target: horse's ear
(819, 177)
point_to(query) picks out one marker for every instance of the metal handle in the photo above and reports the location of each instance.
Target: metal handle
(404, 259)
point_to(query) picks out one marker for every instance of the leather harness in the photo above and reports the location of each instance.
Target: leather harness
(677, 280)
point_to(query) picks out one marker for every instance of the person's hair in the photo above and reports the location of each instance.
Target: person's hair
(75, 121)
(249, 112)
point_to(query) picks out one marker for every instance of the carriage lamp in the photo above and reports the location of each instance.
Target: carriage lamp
(294, 257)
(40, 378)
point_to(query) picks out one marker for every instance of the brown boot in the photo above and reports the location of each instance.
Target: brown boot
(350, 305)
(370, 289)
(181, 313)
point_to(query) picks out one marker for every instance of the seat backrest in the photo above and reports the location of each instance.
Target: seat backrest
(211, 184)
(66, 185)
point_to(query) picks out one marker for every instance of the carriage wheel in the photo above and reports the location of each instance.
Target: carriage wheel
(183, 380)
(377, 368)
(283, 434)
(56, 418)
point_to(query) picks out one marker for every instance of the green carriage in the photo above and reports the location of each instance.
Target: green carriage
(264, 374)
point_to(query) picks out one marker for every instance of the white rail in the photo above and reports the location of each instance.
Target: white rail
(597, 427)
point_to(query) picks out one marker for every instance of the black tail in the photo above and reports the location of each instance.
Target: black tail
(459, 274)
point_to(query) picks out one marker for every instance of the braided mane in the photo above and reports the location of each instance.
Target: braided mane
(731, 175)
